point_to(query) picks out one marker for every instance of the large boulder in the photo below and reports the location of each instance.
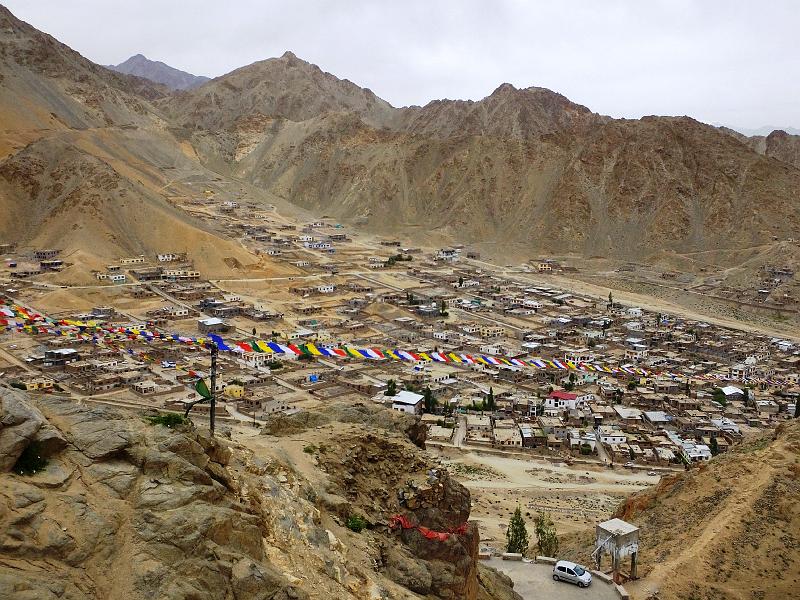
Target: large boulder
(22, 424)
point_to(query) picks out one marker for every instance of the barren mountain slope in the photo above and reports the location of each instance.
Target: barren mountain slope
(506, 112)
(125, 509)
(730, 529)
(85, 159)
(623, 189)
(91, 191)
(46, 85)
(159, 72)
(526, 166)
(278, 87)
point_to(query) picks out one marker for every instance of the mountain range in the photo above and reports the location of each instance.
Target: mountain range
(159, 72)
(86, 152)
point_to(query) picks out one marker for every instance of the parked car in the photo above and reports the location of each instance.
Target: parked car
(571, 572)
(629, 465)
(652, 474)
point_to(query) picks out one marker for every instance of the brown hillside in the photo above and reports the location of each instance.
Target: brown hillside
(730, 529)
(525, 165)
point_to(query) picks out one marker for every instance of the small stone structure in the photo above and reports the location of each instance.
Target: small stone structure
(619, 539)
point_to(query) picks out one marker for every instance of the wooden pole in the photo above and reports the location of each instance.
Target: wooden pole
(214, 351)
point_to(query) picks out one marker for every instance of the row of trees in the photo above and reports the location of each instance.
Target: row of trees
(544, 528)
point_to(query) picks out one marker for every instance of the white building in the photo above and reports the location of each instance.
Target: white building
(610, 435)
(408, 402)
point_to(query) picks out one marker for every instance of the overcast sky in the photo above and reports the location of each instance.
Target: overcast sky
(734, 62)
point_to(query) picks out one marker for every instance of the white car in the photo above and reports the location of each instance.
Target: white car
(571, 572)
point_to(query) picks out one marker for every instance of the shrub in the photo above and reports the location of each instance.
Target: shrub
(310, 449)
(167, 420)
(31, 460)
(356, 523)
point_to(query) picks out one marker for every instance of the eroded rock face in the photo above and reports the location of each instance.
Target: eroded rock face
(387, 476)
(123, 510)
(126, 510)
(20, 425)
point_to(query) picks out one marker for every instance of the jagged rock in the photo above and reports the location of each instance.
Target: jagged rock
(217, 451)
(408, 571)
(495, 585)
(256, 581)
(153, 512)
(20, 425)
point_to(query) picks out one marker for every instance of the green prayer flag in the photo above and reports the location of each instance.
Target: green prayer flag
(202, 389)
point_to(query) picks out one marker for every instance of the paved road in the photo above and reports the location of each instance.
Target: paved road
(534, 581)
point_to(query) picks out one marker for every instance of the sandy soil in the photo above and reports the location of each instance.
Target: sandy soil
(575, 496)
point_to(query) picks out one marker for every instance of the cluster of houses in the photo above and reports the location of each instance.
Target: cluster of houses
(707, 385)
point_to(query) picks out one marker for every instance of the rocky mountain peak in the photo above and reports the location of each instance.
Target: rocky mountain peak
(159, 72)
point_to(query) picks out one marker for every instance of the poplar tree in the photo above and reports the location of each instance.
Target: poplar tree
(547, 540)
(517, 534)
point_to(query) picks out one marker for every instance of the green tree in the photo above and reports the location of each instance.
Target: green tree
(797, 408)
(592, 343)
(430, 400)
(442, 309)
(547, 540)
(610, 300)
(746, 396)
(714, 446)
(517, 533)
(490, 403)
(719, 396)
(460, 282)
(391, 388)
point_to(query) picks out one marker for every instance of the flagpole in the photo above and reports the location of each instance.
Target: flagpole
(214, 351)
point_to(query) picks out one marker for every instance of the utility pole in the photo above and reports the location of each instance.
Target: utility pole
(205, 393)
(214, 351)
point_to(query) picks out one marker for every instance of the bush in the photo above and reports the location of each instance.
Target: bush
(167, 420)
(310, 449)
(31, 460)
(18, 385)
(356, 523)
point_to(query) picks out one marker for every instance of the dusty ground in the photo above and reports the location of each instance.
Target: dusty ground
(576, 497)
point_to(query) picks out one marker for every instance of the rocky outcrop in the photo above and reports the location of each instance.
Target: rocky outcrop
(385, 476)
(123, 510)
(126, 509)
(363, 414)
(22, 425)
